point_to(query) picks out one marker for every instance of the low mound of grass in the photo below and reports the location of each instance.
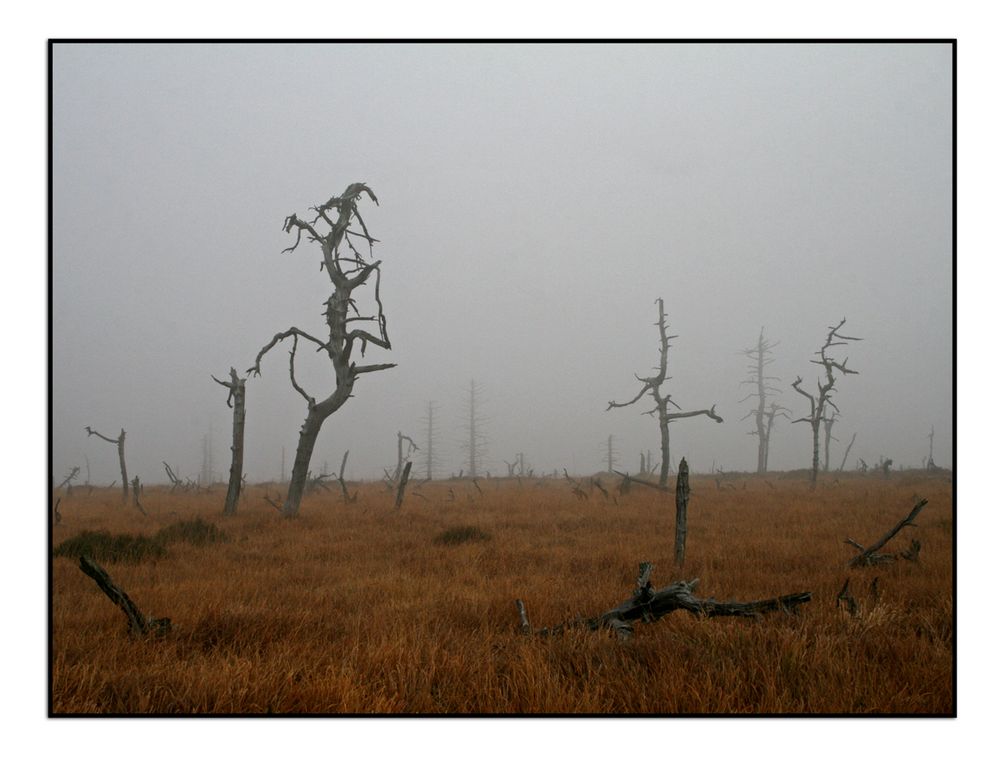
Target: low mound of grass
(114, 548)
(460, 534)
(132, 548)
(195, 532)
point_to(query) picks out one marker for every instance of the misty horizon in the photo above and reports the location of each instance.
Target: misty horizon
(534, 202)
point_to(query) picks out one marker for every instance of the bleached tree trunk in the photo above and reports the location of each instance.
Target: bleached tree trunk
(236, 401)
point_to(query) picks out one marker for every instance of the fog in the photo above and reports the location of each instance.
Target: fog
(534, 201)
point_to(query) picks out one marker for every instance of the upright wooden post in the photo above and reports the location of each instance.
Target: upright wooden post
(683, 491)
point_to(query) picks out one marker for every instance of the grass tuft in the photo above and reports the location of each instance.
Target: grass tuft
(460, 534)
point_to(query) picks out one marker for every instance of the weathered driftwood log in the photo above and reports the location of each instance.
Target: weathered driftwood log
(648, 604)
(870, 556)
(138, 624)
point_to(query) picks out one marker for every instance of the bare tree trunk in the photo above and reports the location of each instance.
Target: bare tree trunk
(300, 468)
(683, 492)
(664, 449)
(237, 401)
(814, 474)
(120, 443)
(848, 451)
(404, 478)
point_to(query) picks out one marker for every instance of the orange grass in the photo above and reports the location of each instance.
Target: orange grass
(360, 609)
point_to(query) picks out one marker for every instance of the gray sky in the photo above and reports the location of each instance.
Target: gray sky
(535, 201)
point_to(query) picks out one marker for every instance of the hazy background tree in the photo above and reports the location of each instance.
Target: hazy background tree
(475, 441)
(653, 385)
(764, 392)
(824, 389)
(347, 272)
(432, 441)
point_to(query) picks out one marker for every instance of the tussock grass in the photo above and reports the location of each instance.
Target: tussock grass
(459, 534)
(355, 608)
(102, 545)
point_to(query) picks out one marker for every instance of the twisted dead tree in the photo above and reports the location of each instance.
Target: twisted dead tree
(67, 483)
(764, 390)
(653, 385)
(348, 271)
(120, 444)
(649, 605)
(824, 389)
(237, 401)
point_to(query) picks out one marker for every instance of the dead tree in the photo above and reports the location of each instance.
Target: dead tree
(653, 385)
(403, 479)
(120, 444)
(474, 443)
(67, 482)
(348, 498)
(824, 388)
(764, 391)
(237, 401)
(347, 272)
(931, 466)
(848, 451)
(401, 457)
(138, 624)
(870, 556)
(649, 605)
(431, 437)
(136, 487)
(683, 492)
(612, 455)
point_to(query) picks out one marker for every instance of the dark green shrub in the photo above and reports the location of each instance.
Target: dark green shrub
(459, 534)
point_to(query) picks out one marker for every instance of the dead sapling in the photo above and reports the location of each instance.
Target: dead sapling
(120, 444)
(348, 271)
(824, 389)
(653, 385)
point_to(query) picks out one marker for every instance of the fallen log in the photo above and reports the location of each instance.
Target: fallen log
(870, 556)
(138, 624)
(648, 604)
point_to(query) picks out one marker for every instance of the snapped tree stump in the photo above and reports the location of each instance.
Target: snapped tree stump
(870, 556)
(649, 605)
(138, 624)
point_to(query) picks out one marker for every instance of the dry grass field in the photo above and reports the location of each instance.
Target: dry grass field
(362, 609)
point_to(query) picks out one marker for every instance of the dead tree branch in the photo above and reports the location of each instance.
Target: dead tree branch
(648, 604)
(138, 624)
(870, 556)
(120, 444)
